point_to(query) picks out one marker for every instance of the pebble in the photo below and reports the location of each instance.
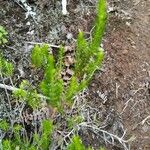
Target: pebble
(69, 36)
(125, 52)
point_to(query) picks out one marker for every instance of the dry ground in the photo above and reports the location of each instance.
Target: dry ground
(126, 75)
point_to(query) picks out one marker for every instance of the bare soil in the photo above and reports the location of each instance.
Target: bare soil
(125, 79)
(120, 91)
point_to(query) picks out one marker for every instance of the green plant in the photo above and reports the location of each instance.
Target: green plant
(27, 93)
(4, 125)
(88, 58)
(100, 24)
(44, 140)
(3, 34)
(40, 140)
(40, 56)
(89, 55)
(76, 144)
(6, 68)
(52, 84)
(16, 141)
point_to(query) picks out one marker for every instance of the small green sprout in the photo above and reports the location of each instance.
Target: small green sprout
(76, 144)
(27, 93)
(3, 34)
(6, 68)
(4, 125)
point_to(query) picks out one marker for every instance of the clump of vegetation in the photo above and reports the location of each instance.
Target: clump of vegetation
(28, 94)
(40, 140)
(88, 58)
(76, 144)
(6, 68)
(89, 55)
(3, 34)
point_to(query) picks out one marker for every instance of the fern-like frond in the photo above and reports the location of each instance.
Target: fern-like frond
(100, 24)
(6, 68)
(40, 55)
(76, 144)
(72, 89)
(52, 85)
(82, 54)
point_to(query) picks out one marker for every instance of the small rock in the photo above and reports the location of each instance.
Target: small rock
(69, 71)
(125, 52)
(69, 36)
(128, 23)
(28, 23)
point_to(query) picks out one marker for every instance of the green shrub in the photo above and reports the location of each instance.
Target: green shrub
(52, 84)
(43, 141)
(88, 58)
(27, 93)
(40, 140)
(100, 23)
(89, 55)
